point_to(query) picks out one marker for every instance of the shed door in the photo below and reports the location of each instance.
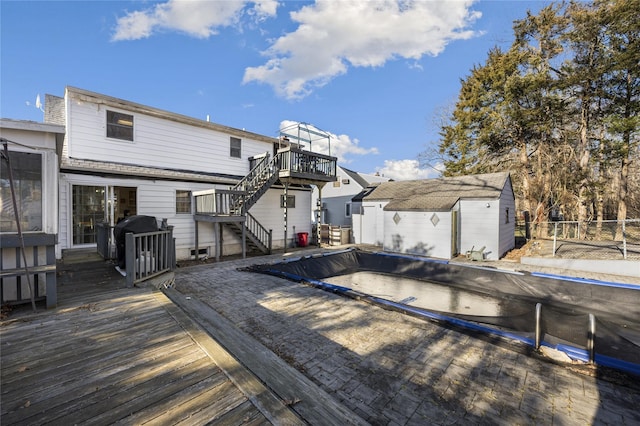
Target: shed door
(454, 233)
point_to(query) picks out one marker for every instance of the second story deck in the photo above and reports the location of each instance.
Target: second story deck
(290, 165)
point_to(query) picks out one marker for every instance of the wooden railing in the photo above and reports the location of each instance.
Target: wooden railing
(217, 202)
(264, 235)
(41, 266)
(148, 255)
(295, 162)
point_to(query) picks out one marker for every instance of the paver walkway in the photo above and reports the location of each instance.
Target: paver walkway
(392, 369)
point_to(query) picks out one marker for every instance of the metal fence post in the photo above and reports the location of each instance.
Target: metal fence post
(555, 237)
(624, 240)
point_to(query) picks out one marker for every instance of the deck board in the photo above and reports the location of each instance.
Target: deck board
(118, 355)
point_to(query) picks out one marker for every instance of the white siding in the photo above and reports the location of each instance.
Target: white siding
(479, 226)
(415, 233)
(157, 198)
(157, 142)
(268, 212)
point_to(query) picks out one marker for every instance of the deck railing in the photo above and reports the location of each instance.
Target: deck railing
(148, 255)
(217, 202)
(104, 240)
(295, 162)
(41, 267)
(264, 235)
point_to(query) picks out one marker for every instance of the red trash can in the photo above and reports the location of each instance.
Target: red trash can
(303, 239)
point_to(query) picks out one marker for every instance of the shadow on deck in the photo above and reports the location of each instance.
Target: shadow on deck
(109, 353)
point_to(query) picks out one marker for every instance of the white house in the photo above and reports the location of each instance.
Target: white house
(440, 217)
(33, 162)
(336, 196)
(122, 158)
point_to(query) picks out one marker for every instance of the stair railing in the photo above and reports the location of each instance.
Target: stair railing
(262, 234)
(263, 173)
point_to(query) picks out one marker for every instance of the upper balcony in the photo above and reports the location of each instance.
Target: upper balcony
(290, 165)
(306, 166)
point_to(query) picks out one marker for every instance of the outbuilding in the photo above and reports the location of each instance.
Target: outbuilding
(440, 217)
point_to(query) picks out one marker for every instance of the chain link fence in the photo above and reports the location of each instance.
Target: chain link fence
(608, 239)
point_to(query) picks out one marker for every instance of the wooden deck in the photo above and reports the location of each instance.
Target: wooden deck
(109, 354)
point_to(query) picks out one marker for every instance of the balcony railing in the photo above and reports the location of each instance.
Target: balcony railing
(296, 163)
(217, 202)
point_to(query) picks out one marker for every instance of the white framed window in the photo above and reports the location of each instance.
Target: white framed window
(119, 126)
(291, 201)
(235, 147)
(347, 209)
(183, 202)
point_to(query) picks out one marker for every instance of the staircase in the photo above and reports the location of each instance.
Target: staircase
(245, 194)
(254, 185)
(230, 207)
(258, 237)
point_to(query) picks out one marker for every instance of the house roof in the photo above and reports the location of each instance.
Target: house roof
(363, 179)
(423, 202)
(438, 193)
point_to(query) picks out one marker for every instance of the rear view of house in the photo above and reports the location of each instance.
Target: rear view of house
(440, 217)
(120, 158)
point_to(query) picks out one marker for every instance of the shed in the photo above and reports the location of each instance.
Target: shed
(440, 217)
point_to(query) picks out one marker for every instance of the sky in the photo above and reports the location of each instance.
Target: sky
(377, 76)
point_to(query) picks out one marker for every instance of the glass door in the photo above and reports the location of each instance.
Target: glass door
(88, 209)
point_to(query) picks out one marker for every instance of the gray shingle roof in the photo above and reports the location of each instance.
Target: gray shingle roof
(438, 193)
(423, 203)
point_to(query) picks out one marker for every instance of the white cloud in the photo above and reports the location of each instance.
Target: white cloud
(197, 18)
(407, 170)
(340, 146)
(333, 35)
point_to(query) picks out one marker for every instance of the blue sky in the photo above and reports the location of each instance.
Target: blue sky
(376, 75)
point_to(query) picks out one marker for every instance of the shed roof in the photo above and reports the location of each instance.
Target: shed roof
(438, 193)
(423, 203)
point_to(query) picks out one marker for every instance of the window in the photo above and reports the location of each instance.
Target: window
(336, 183)
(291, 201)
(183, 202)
(506, 212)
(119, 126)
(235, 150)
(347, 209)
(26, 169)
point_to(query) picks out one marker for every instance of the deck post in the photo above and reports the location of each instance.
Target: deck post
(216, 238)
(196, 241)
(319, 216)
(50, 279)
(244, 238)
(286, 193)
(130, 258)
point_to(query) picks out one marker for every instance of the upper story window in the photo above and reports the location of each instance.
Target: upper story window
(27, 184)
(119, 126)
(347, 209)
(183, 202)
(235, 150)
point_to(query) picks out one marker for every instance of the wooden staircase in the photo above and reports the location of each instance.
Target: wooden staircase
(230, 207)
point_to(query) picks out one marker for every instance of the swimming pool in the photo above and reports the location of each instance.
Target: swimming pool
(588, 320)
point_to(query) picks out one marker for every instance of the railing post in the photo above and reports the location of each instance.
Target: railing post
(130, 258)
(270, 239)
(555, 237)
(591, 338)
(538, 325)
